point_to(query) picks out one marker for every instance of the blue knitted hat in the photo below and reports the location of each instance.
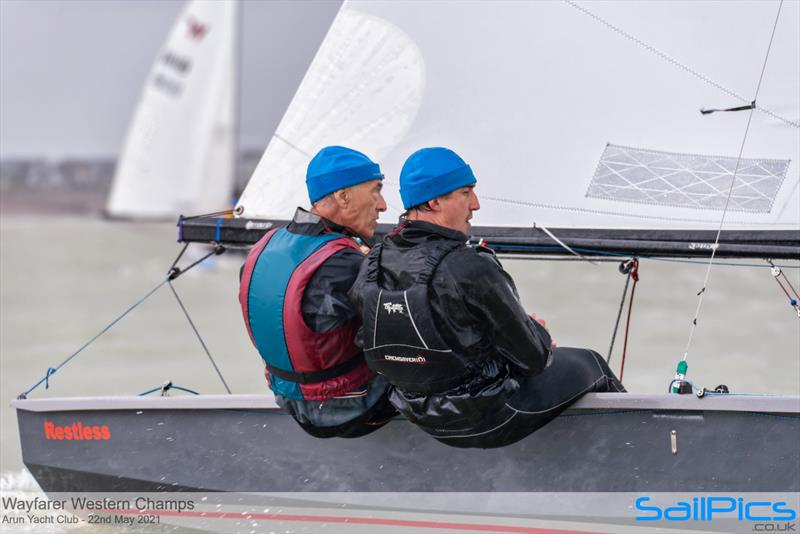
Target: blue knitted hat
(337, 167)
(432, 172)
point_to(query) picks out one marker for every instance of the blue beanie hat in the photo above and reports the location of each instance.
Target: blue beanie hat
(337, 167)
(432, 172)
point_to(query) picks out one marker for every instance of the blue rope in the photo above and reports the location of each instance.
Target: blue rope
(623, 255)
(219, 230)
(149, 391)
(52, 370)
(717, 393)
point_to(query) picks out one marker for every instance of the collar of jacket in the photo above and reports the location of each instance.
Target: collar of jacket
(413, 230)
(307, 223)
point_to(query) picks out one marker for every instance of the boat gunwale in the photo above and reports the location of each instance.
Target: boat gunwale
(789, 404)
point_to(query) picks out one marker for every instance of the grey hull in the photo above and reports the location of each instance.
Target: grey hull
(606, 442)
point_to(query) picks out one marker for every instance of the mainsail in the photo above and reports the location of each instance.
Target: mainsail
(572, 115)
(179, 154)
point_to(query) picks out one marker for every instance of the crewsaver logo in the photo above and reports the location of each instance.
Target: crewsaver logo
(405, 359)
(76, 431)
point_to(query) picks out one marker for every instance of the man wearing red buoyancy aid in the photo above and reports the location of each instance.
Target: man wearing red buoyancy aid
(293, 294)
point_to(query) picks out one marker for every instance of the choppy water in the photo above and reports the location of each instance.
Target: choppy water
(64, 278)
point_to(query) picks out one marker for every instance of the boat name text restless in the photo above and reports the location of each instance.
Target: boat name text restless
(76, 431)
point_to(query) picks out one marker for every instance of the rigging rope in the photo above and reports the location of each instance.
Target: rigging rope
(174, 272)
(166, 387)
(624, 268)
(52, 370)
(635, 275)
(722, 390)
(500, 246)
(180, 255)
(199, 338)
(686, 68)
(776, 274)
(552, 236)
(715, 246)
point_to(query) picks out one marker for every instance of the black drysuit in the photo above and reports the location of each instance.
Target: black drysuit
(509, 382)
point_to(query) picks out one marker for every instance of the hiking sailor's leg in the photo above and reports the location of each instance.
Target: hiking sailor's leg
(572, 373)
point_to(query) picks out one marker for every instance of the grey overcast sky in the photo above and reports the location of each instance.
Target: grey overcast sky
(71, 71)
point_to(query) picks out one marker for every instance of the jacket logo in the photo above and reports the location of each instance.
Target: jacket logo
(392, 308)
(405, 359)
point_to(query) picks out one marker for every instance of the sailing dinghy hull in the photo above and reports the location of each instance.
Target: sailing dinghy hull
(605, 442)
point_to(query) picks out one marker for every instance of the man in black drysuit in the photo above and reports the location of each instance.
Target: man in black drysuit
(443, 322)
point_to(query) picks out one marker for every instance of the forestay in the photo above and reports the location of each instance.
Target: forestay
(571, 114)
(179, 154)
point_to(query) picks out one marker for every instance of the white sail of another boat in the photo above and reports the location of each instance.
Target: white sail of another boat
(179, 153)
(571, 114)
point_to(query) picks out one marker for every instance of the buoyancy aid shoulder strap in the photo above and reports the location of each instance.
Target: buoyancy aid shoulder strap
(373, 260)
(435, 259)
(247, 275)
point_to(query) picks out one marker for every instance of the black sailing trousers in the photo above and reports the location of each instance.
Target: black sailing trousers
(572, 373)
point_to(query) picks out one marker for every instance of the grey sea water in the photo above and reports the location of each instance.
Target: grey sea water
(63, 278)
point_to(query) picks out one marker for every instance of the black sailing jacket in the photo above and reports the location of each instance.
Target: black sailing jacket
(477, 313)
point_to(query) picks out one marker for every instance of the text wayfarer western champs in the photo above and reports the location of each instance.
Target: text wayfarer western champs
(104, 504)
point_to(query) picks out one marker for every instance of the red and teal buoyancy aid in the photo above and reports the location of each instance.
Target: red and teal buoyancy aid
(301, 364)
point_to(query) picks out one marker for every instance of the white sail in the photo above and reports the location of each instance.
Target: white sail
(179, 153)
(363, 90)
(581, 114)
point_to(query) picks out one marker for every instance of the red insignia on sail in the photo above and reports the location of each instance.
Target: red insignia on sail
(197, 30)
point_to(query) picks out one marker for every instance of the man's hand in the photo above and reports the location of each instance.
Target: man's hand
(538, 320)
(544, 325)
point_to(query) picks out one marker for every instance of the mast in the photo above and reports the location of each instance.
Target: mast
(237, 50)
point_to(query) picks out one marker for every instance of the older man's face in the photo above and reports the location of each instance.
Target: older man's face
(364, 206)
